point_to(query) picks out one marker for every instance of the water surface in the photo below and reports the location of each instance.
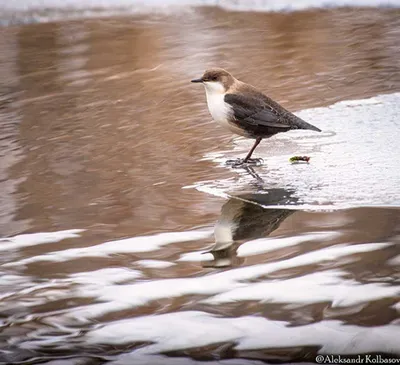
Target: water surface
(121, 223)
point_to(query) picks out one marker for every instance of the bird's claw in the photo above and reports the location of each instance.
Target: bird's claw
(255, 161)
(240, 162)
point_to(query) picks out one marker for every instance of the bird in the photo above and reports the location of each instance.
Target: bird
(246, 111)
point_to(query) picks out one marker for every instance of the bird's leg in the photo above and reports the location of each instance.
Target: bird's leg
(247, 160)
(257, 142)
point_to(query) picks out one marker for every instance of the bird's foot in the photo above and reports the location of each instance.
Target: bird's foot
(240, 162)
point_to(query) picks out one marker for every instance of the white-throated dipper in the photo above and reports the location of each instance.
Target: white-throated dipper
(246, 111)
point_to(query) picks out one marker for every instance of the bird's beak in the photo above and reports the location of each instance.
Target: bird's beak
(197, 80)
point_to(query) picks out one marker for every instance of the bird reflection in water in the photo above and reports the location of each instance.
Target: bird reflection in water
(246, 217)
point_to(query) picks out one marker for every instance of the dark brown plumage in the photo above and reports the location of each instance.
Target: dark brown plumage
(245, 110)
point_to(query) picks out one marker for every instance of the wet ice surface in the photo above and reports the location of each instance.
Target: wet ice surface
(352, 161)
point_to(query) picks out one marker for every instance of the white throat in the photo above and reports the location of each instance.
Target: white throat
(213, 87)
(219, 110)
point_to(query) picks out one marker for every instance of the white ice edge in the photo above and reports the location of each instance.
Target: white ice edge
(395, 261)
(56, 289)
(128, 245)
(105, 276)
(240, 5)
(353, 161)
(328, 286)
(112, 298)
(33, 239)
(133, 358)
(263, 245)
(154, 264)
(28, 11)
(248, 332)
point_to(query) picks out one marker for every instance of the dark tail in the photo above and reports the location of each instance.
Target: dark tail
(298, 123)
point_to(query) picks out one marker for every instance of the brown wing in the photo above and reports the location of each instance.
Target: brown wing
(257, 112)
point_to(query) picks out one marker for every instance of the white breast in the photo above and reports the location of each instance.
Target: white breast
(220, 111)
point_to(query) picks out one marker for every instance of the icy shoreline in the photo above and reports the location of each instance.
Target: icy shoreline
(41, 11)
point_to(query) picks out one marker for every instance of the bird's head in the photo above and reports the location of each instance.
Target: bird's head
(216, 80)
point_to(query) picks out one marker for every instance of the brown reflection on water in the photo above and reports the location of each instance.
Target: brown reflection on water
(111, 129)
